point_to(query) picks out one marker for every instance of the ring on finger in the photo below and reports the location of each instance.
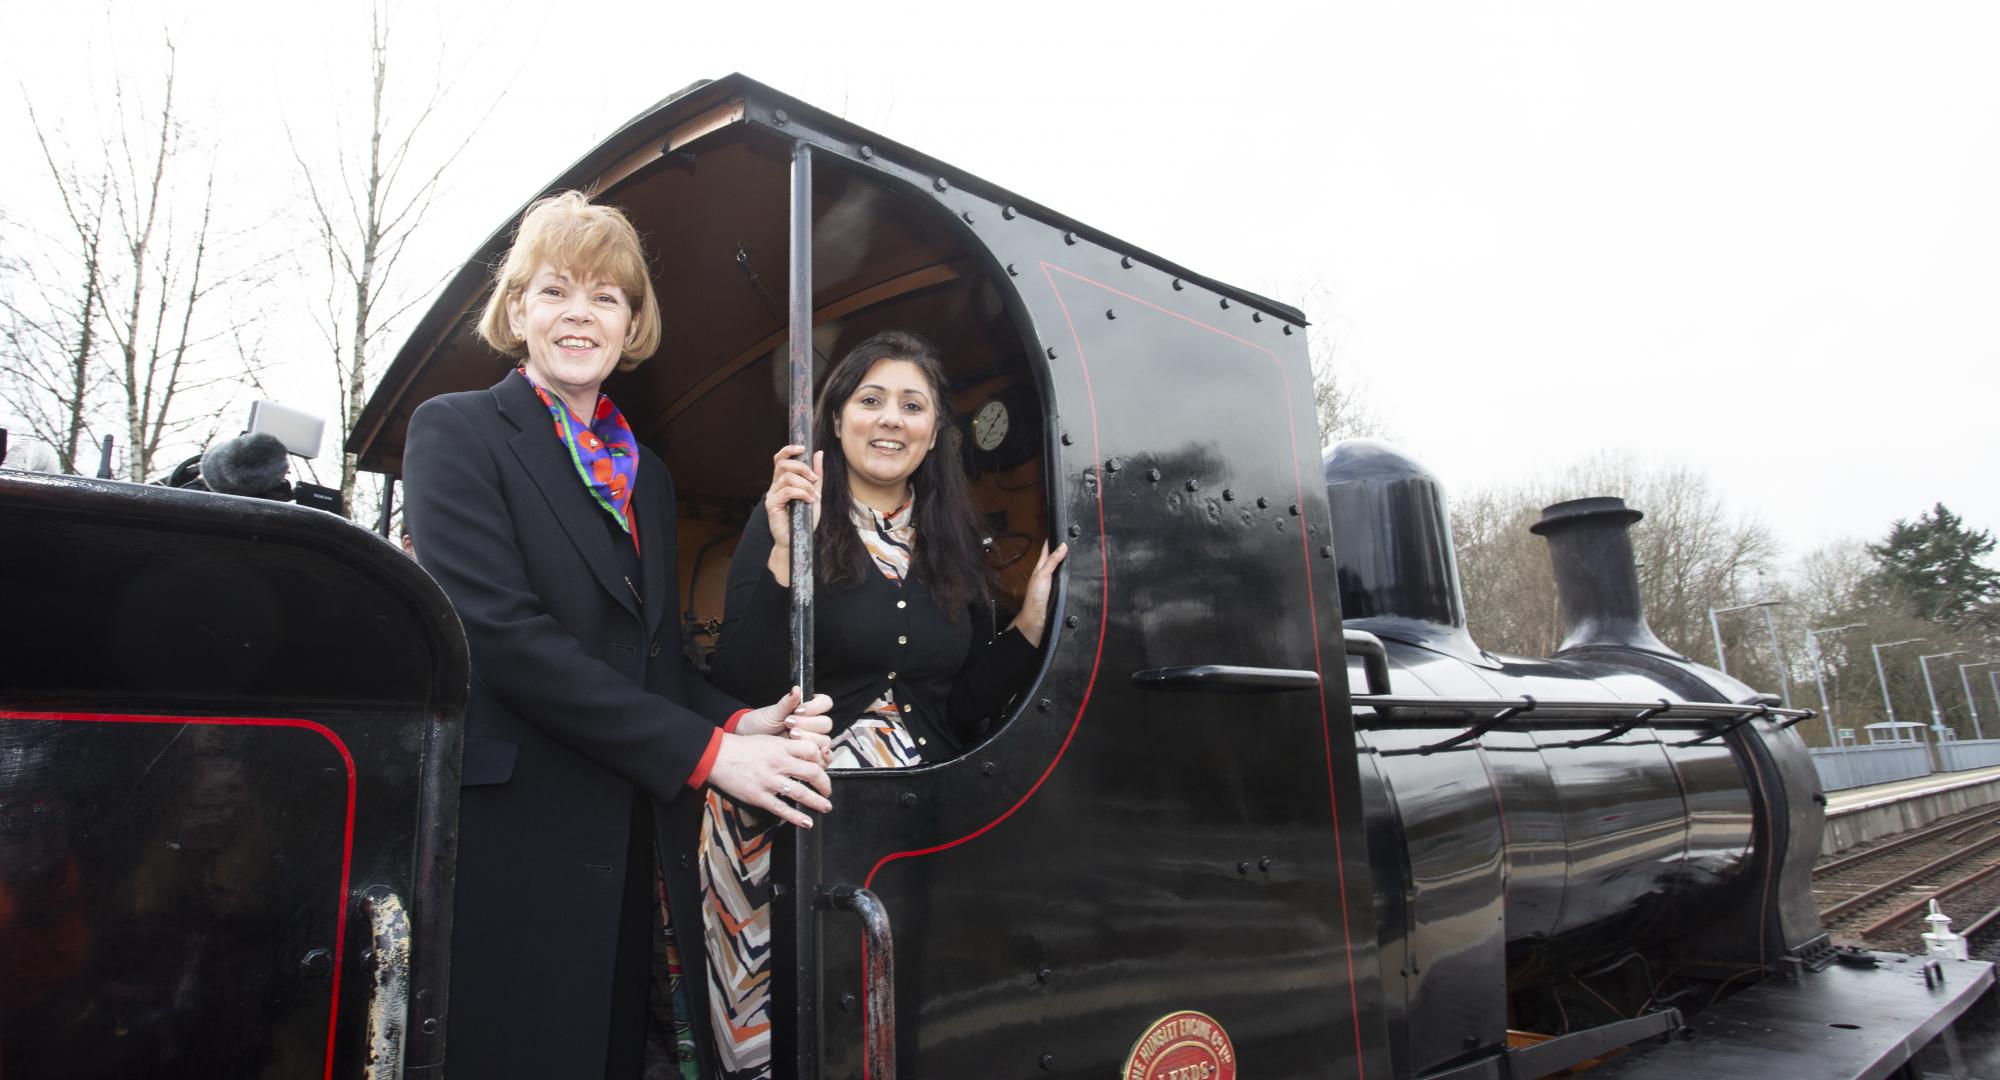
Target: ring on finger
(784, 789)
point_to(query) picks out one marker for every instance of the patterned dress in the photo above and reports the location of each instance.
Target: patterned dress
(736, 846)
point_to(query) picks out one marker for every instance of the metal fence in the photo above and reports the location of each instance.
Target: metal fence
(1959, 755)
(1859, 766)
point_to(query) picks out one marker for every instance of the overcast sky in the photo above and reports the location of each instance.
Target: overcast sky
(1759, 238)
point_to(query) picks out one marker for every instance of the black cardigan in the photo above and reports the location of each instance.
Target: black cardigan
(952, 678)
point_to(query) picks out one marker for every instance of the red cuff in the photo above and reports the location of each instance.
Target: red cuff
(700, 775)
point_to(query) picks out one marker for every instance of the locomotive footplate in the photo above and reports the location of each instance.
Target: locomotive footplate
(1845, 1021)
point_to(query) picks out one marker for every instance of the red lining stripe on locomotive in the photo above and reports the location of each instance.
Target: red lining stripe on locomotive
(347, 835)
(1312, 608)
(1103, 615)
(1104, 607)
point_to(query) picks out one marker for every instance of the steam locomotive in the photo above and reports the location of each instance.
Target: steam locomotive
(1266, 809)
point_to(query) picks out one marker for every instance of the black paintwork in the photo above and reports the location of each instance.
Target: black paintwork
(1538, 849)
(1597, 580)
(1518, 859)
(1115, 854)
(1398, 577)
(200, 696)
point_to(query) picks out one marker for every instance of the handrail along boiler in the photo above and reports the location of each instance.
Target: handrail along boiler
(1266, 806)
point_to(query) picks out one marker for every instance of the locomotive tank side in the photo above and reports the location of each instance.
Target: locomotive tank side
(1576, 853)
(1597, 586)
(1509, 862)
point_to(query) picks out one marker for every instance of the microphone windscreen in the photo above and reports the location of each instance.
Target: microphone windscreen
(31, 455)
(246, 465)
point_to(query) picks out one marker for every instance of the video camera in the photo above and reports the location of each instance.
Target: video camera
(255, 463)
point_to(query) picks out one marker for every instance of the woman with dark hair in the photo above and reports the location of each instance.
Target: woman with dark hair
(908, 642)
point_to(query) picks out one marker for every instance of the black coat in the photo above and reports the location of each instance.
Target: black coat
(953, 677)
(581, 698)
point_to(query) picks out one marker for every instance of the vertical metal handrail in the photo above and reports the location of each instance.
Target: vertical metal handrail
(795, 944)
(878, 978)
(800, 351)
(388, 961)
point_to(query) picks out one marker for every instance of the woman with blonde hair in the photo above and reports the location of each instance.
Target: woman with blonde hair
(589, 740)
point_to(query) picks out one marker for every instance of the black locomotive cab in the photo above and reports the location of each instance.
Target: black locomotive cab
(1175, 767)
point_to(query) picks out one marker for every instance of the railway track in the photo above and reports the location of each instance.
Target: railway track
(1948, 830)
(1877, 897)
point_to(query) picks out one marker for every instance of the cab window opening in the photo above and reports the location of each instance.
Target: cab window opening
(712, 403)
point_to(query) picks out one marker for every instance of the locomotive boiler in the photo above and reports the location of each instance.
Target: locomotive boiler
(1607, 833)
(1266, 808)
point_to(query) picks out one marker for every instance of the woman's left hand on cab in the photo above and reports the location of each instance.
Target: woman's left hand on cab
(805, 721)
(1035, 604)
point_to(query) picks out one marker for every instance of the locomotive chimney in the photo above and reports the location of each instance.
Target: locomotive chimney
(1398, 572)
(1597, 578)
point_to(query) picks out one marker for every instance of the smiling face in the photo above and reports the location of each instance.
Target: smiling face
(885, 428)
(574, 332)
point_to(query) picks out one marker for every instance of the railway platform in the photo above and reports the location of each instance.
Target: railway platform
(1859, 815)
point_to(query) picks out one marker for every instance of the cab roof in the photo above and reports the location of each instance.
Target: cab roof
(731, 117)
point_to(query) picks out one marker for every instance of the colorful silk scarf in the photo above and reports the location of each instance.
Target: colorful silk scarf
(605, 453)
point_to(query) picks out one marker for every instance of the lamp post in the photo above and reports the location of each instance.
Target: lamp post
(1819, 674)
(1966, 681)
(1888, 706)
(1770, 624)
(1937, 718)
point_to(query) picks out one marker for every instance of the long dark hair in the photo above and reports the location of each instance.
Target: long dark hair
(948, 558)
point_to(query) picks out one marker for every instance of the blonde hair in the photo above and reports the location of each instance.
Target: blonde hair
(587, 241)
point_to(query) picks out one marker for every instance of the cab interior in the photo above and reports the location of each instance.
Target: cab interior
(712, 401)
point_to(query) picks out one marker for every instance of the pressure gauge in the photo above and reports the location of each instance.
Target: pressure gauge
(990, 426)
(1005, 431)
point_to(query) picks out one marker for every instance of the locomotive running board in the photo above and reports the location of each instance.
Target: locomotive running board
(1843, 1023)
(1565, 1051)
(1553, 1055)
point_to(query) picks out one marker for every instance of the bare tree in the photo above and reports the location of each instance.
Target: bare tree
(168, 349)
(50, 300)
(1827, 583)
(122, 305)
(136, 198)
(1693, 554)
(1840, 585)
(1340, 400)
(1504, 571)
(1822, 590)
(1340, 403)
(365, 208)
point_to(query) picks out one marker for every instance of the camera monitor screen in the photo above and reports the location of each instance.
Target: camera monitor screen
(298, 430)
